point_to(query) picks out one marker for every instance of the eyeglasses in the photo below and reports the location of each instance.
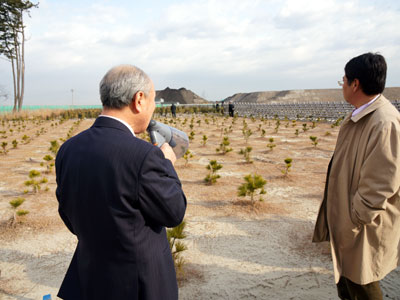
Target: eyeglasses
(340, 82)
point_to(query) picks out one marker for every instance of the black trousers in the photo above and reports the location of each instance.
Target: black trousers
(348, 290)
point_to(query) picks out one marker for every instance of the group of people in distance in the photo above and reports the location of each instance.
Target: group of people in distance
(117, 193)
(231, 108)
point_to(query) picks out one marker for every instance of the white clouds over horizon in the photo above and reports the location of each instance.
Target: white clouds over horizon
(215, 48)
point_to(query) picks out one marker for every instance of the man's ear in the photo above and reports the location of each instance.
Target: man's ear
(137, 102)
(356, 84)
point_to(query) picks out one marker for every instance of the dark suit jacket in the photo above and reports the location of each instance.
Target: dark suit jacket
(117, 193)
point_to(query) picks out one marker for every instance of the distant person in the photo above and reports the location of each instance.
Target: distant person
(360, 212)
(116, 193)
(217, 107)
(231, 109)
(173, 110)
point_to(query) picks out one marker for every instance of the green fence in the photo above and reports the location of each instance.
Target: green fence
(6, 109)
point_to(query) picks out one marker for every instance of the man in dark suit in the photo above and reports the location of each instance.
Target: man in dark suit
(117, 193)
(173, 110)
(231, 108)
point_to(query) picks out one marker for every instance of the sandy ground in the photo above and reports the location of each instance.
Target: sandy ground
(236, 250)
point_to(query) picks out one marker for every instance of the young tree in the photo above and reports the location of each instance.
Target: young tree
(246, 134)
(252, 184)
(246, 153)
(50, 162)
(271, 144)
(188, 155)
(4, 146)
(224, 146)
(33, 174)
(288, 162)
(191, 136)
(15, 204)
(314, 140)
(12, 42)
(54, 146)
(177, 247)
(205, 138)
(212, 176)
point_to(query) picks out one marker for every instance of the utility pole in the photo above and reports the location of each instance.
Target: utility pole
(72, 93)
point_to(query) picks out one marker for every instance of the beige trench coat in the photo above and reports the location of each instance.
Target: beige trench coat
(360, 212)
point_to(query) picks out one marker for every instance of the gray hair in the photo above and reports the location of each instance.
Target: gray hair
(121, 83)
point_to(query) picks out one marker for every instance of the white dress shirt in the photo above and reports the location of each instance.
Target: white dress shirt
(362, 107)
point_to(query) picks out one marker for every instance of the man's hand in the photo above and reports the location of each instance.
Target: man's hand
(168, 152)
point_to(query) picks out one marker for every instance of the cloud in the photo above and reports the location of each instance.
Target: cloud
(259, 45)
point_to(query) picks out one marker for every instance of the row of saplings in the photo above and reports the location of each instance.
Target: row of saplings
(34, 175)
(253, 184)
(35, 182)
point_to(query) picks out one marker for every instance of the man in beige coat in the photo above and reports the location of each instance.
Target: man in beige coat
(360, 212)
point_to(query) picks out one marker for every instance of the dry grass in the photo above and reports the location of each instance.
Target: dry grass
(258, 207)
(30, 114)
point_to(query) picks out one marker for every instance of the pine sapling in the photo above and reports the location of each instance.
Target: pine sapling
(212, 176)
(251, 186)
(4, 146)
(314, 124)
(288, 162)
(50, 162)
(205, 138)
(188, 155)
(271, 144)
(277, 124)
(15, 204)
(191, 136)
(177, 247)
(314, 140)
(25, 138)
(33, 174)
(246, 153)
(246, 134)
(224, 146)
(54, 146)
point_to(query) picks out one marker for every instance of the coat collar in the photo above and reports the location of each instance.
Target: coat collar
(374, 106)
(111, 123)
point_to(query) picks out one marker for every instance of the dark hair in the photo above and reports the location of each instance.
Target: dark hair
(370, 70)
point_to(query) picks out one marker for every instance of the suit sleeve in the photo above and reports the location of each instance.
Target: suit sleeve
(161, 198)
(58, 190)
(380, 173)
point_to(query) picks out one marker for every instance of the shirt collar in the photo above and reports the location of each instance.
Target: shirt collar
(362, 107)
(122, 121)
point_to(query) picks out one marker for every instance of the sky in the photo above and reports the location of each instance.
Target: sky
(213, 48)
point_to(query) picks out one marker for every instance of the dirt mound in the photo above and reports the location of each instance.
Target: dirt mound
(293, 96)
(181, 96)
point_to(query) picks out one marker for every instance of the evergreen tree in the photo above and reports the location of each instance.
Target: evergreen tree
(12, 42)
